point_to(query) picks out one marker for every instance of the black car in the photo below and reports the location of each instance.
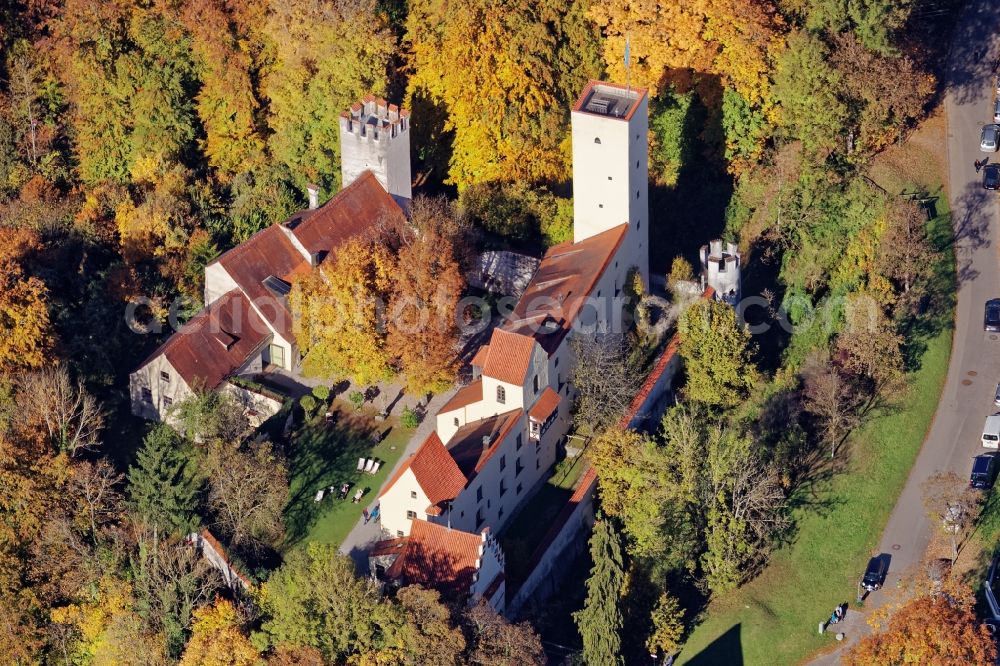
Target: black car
(875, 573)
(991, 320)
(984, 471)
(991, 177)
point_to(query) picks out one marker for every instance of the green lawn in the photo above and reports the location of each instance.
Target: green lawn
(840, 518)
(323, 455)
(530, 525)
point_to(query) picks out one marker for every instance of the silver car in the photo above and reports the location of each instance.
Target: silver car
(989, 140)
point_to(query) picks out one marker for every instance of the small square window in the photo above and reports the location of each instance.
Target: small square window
(500, 513)
(399, 533)
(147, 395)
(597, 139)
(638, 224)
(600, 205)
(456, 421)
(164, 376)
(167, 401)
(501, 395)
(461, 514)
(609, 177)
(411, 514)
(556, 364)
(518, 489)
(479, 494)
(413, 494)
(537, 464)
(503, 463)
(637, 164)
(637, 194)
(518, 441)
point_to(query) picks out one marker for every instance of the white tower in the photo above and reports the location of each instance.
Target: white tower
(376, 136)
(720, 270)
(610, 166)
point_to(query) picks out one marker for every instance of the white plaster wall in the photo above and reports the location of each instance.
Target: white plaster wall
(514, 397)
(397, 501)
(148, 376)
(217, 282)
(490, 564)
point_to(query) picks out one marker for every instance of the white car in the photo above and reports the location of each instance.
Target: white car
(989, 140)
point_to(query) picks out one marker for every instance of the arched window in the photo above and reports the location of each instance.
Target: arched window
(501, 395)
(597, 139)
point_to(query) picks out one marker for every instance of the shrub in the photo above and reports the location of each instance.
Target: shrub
(357, 399)
(308, 404)
(410, 418)
(321, 393)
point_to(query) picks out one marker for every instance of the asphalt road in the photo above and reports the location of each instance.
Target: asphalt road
(967, 398)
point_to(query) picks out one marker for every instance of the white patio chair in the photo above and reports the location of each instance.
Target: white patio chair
(369, 465)
(361, 464)
(319, 496)
(375, 468)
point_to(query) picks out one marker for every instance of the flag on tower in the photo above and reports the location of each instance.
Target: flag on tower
(628, 51)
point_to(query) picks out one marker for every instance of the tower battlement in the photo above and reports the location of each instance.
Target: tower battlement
(375, 136)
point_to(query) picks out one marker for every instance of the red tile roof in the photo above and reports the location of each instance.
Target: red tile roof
(480, 358)
(215, 342)
(509, 357)
(439, 557)
(466, 395)
(359, 208)
(466, 445)
(544, 406)
(567, 275)
(436, 471)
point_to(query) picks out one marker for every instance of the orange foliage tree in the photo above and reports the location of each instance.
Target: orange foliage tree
(934, 628)
(24, 312)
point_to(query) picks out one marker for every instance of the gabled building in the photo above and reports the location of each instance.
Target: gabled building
(246, 325)
(497, 437)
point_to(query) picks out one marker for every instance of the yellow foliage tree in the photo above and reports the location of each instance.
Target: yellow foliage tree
(216, 639)
(24, 312)
(490, 64)
(337, 312)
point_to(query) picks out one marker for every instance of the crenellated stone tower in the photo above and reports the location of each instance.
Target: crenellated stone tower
(375, 135)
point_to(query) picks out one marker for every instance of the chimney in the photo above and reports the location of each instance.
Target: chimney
(313, 191)
(486, 441)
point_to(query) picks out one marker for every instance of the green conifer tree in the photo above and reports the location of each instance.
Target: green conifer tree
(163, 485)
(600, 621)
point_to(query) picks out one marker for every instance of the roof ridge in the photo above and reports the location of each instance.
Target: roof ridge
(189, 326)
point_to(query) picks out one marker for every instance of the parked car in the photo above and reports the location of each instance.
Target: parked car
(989, 139)
(996, 84)
(991, 177)
(991, 431)
(984, 471)
(875, 573)
(996, 396)
(991, 318)
(996, 111)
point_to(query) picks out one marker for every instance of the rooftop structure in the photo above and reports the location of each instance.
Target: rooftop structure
(720, 270)
(609, 100)
(375, 137)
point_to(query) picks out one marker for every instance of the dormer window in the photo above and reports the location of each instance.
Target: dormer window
(501, 395)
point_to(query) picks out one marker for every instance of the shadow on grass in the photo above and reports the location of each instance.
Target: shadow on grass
(726, 649)
(321, 455)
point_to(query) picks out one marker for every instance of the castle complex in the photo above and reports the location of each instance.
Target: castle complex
(497, 438)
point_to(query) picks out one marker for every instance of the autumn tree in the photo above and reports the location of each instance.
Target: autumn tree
(830, 398)
(61, 410)
(667, 620)
(929, 629)
(217, 639)
(716, 350)
(605, 378)
(426, 286)
(209, 416)
(315, 600)
(163, 484)
(600, 621)
(24, 308)
(905, 254)
(247, 491)
(951, 505)
(428, 635)
(327, 56)
(337, 313)
(806, 85)
(490, 65)
(872, 350)
(493, 641)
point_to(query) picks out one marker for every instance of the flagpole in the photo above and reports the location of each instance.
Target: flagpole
(628, 68)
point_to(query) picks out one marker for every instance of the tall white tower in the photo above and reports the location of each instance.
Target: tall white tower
(375, 135)
(610, 166)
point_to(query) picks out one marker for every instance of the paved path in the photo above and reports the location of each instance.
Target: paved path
(362, 536)
(967, 397)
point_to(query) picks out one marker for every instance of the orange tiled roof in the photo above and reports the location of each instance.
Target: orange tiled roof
(544, 406)
(509, 357)
(435, 470)
(466, 445)
(560, 287)
(480, 358)
(438, 557)
(215, 342)
(466, 395)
